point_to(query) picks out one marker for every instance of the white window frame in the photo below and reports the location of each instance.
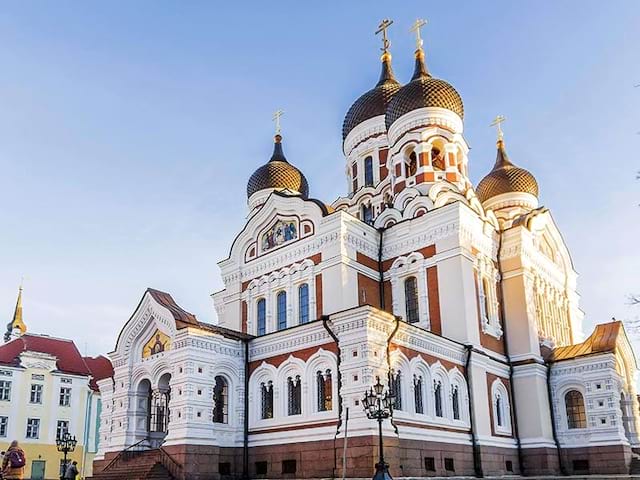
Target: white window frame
(33, 429)
(490, 320)
(35, 395)
(4, 426)
(499, 390)
(5, 390)
(61, 431)
(413, 265)
(64, 399)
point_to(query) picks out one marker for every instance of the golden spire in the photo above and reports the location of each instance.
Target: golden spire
(382, 28)
(17, 321)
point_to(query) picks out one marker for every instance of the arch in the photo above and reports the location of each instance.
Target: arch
(220, 399)
(457, 381)
(416, 204)
(575, 409)
(501, 407)
(412, 308)
(321, 361)
(388, 215)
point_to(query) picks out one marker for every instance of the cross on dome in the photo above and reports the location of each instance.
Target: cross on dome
(382, 28)
(497, 122)
(417, 25)
(276, 118)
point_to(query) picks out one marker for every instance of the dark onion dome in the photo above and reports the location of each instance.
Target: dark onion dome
(505, 177)
(278, 173)
(374, 102)
(423, 91)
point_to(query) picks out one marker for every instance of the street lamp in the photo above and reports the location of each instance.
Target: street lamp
(378, 405)
(65, 443)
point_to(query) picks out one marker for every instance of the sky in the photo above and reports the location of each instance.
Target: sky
(128, 131)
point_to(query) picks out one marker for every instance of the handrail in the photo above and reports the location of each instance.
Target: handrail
(168, 462)
(122, 453)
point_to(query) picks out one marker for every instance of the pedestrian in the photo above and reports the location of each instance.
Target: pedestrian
(14, 462)
(72, 471)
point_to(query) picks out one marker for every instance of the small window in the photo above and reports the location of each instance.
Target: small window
(449, 466)
(508, 465)
(5, 390)
(65, 397)
(576, 414)
(261, 468)
(282, 310)
(354, 176)
(455, 403)
(499, 407)
(36, 393)
(224, 468)
(61, 428)
(266, 393)
(303, 303)
(325, 394)
(417, 393)
(4, 423)
(368, 171)
(437, 393)
(580, 466)
(412, 164)
(396, 389)
(262, 316)
(33, 428)
(289, 466)
(430, 464)
(411, 299)
(367, 214)
(220, 400)
(294, 391)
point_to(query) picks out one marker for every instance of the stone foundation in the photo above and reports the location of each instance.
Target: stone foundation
(540, 461)
(612, 459)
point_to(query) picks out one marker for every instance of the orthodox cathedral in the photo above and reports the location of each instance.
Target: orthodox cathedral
(460, 299)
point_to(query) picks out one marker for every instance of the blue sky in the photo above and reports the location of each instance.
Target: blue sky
(128, 131)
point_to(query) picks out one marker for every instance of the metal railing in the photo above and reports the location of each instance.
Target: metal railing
(168, 462)
(159, 455)
(127, 454)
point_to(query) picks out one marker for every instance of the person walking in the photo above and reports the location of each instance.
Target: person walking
(14, 462)
(72, 471)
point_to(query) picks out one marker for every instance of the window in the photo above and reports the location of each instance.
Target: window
(266, 400)
(33, 428)
(430, 464)
(580, 466)
(455, 403)
(294, 391)
(303, 303)
(224, 468)
(417, 393)
(411, 299)
(367, 214)
(437, 392)
(576, 414)
(412, 164)
(289, 466)
(5, 390)
(36, 393)
(262, 316)
(220, 401)
(396, 389)
(4, 423)
(325, 393)
(499, 408)
(449, 465)
(485, 297)
(62, 428)
(354, 176)
(368, 171)
(261, 468)
(65, 396)
(508, 465)
(282, 310)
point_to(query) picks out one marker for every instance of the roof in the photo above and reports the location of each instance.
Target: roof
(604, 339)
(225, 332)
(100, 368)
(180, 315)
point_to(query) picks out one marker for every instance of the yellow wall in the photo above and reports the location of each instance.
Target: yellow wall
(50, 455)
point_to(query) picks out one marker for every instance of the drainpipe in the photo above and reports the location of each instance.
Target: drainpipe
(477, 459)
(506, 353)
(381, 273)
(245, 444)
(553, 421)
(325, 324)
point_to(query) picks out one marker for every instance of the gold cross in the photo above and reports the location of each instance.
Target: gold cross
(418, 24)
(384, 24)
(276, 118)
(497, 122)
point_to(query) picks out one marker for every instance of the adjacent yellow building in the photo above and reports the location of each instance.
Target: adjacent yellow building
(47, 388)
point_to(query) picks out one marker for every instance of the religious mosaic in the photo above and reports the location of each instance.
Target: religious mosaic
(281, 232)
(159, 342)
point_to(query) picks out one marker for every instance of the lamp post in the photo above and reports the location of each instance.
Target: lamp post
(65, 443)
(378, 405)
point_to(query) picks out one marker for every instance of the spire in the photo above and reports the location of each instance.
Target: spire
(502, 159)
(420, 69)
(278, 154)
(17, 321)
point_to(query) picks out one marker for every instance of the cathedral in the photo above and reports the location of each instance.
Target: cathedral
(460, 299)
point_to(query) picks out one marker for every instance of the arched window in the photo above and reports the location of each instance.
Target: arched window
(325, 393)
(417, 393)
(262, 316)
(303, 303)
(396, 389)
(266, 397)
(367, 214)
(499, 411)
(411, 299)
(486, 297)
(576, 414)
(368, 171)
(220, 401)
(437, 393)
(294, 391)
(412, 164)
(437, 158)
(455, 403)
(282, 310)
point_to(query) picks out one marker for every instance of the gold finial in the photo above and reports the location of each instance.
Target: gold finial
(17, 321)
(382, 28)
(497, 122)
(276, 118)
(417, 25)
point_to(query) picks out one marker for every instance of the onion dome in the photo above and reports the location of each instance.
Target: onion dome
(374, 102)
(505, 177)
(423, 91)
(278, 174)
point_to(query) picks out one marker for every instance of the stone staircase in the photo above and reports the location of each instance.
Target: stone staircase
(151, 464)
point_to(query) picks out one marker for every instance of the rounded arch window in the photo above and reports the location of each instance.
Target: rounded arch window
(411, 163)
(368, 171)
(576, 413)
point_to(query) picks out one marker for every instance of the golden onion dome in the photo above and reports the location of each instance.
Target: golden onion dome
(374, 102)
(423, 91)
(505, 177)
(278, 174)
